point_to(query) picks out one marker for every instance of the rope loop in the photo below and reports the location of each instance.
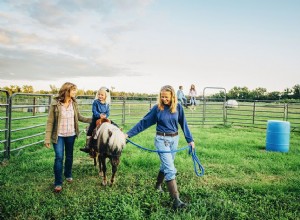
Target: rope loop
(196, 162)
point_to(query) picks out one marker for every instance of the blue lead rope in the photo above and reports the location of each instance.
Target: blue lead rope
(192, 152)
(196, 162)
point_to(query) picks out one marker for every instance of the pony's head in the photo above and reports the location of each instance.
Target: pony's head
(112, 137)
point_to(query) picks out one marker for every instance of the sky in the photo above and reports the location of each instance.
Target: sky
(141, 45)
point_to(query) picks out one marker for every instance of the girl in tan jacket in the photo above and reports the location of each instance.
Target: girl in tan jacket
(62, 129)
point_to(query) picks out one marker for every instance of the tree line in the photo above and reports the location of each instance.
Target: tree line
(260, 93)
(234, 93)
(80, 92)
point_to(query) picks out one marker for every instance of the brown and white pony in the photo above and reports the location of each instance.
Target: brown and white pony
(109, 142)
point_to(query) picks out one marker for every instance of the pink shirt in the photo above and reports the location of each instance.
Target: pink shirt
(193, 93)
(66, 127)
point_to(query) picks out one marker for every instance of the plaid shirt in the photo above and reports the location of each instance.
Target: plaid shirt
(67, 127)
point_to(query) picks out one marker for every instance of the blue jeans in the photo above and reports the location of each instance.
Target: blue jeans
(193, 101)
(167, 143)
(182, 101)
(63, 144)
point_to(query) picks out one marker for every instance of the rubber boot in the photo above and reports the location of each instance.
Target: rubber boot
(159, 180)
(172, 187)
(87, 149)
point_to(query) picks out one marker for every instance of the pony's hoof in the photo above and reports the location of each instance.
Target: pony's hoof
(104, 183)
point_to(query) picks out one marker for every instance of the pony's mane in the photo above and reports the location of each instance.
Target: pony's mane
(112, 136)
(102, 120)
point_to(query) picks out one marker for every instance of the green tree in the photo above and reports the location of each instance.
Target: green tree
(54, 89)
(13, 89)
(27, 89)
(274, 95)
(90, 92)
(258, 93)
(296, 91)
(80, 92)
(219, 95)
(43, 92)
(286, 93)
(239, 93)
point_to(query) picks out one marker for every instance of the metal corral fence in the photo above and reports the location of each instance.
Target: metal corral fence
(23, 116)
(124, 110)
(4, 123)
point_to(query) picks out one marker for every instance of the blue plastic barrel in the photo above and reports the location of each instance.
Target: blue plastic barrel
(278, 136)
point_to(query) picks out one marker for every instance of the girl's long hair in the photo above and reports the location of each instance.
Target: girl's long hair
(173, 106)
(64, 92)
(192, 88)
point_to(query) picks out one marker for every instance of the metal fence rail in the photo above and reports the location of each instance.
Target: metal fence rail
(23, 116)
(27, 119)
(4, 123)
(293, 115)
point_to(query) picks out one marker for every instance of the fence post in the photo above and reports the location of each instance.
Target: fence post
(253, 113)
(33, 109)
(9, 126)
(224, 112)
(6, 126)
(203, 112)
(123, 111)
(285, 113)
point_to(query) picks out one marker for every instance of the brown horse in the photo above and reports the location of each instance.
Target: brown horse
(109, 142)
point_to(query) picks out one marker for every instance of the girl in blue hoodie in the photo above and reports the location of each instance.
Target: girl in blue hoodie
(167, 114)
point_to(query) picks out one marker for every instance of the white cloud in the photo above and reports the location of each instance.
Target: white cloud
(69, 37)
(139, 44)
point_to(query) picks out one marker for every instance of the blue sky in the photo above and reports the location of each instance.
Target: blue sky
(141, 45)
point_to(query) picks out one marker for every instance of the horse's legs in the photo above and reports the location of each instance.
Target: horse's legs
(95, 159)
(114, 170)
(114, 163)
(100, 165)
(104, 181)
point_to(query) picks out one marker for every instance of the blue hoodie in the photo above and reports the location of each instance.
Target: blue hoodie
(165, 121)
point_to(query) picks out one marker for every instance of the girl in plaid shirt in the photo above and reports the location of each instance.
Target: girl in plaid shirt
(62, 129)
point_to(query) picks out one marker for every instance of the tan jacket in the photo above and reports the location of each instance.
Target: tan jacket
(54, 118)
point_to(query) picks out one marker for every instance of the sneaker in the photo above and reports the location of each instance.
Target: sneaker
(57, 189)
(69, 180)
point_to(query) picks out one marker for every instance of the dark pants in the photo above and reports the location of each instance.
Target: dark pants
(93, 126)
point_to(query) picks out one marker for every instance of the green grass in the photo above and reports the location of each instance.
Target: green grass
(241, 181)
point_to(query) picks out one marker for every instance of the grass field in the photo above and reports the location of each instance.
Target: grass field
(241, 181)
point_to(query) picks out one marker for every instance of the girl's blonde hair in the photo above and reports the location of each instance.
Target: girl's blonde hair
(173, 106)
(107, 94)
(64, 92)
